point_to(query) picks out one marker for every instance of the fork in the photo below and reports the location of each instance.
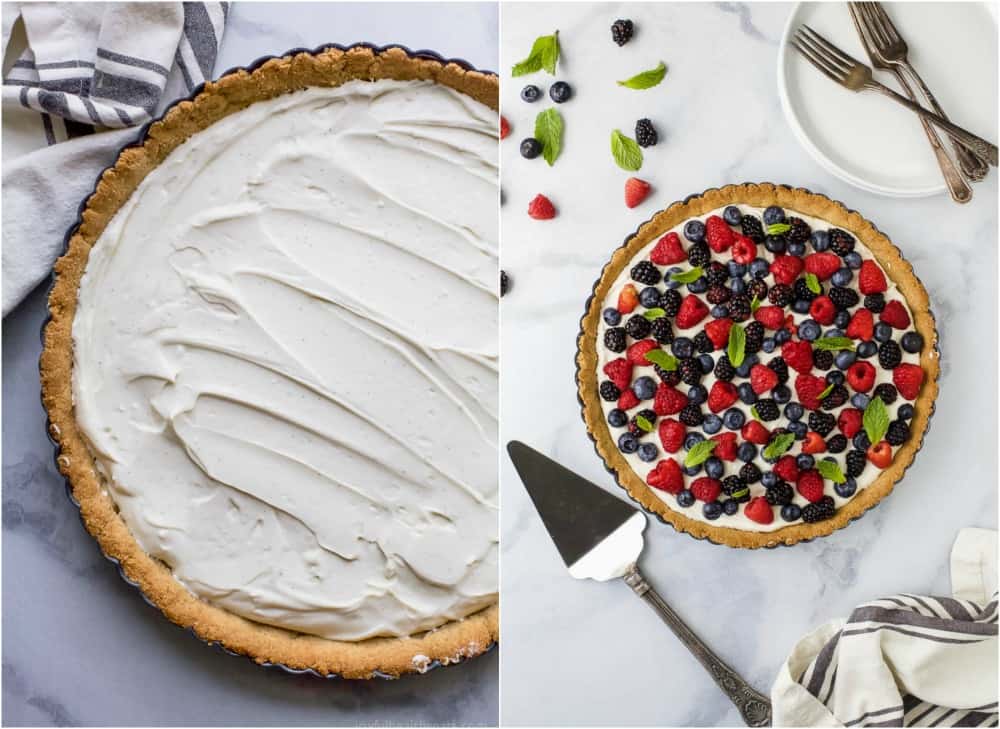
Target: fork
(856, 76)
(880, 52)
(893, 50)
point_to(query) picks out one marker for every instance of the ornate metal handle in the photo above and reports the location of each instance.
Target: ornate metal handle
(754, 707)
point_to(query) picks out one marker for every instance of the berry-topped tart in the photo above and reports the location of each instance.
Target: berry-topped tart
(757, 365)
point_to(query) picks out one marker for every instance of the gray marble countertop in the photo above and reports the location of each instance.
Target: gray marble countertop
(583, 653)
(80, 646)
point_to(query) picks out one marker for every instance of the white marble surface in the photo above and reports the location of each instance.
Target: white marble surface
(580, 653)
(80, 646)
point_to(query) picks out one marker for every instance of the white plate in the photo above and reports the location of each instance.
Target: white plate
(868, 140)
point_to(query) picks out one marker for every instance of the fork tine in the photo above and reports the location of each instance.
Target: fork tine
(861, 27)
(885, 22)
(832, 49)
(831, 74)
(872, 20)
(820, 51)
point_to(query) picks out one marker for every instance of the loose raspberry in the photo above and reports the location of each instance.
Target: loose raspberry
(721, 396)
(706, 489)
(504, 127)
(636, 191)
(880, 454)
(759, 510)
(787, 469)
(718, 331)
(754, 432)
(772, 317)
(762, 378)
(894, 314)
(726, 448)
(871, 280)
(908, 378)
(862, 325)
(798, 355)
(786, 269)
(861, 376)
(744, 250)
(627, 400)
(668, 250)
(666, 476)
(692, 311)
(813, 443)
(718, 235)
(671, 434)
(668, 400)
(636, 353)
(822, 310)
(810, 485)
(808, 388)
(822, 265)
(620, 372)
(849, 421)
(628, 299)
(541, 208)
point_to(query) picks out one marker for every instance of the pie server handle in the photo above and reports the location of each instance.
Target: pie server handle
(754, 707)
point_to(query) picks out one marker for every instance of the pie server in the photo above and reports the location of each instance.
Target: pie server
(599, 537)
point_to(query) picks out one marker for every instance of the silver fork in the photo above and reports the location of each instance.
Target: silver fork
(894, 51)
(856, 76)
(879, 51)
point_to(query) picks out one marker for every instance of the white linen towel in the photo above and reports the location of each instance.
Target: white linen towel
(86, 76)
(904, 660)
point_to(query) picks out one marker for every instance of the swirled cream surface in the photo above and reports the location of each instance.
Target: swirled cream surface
(285, 360)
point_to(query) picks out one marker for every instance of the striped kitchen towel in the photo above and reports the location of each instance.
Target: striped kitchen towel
(85, 77)
(905, 660)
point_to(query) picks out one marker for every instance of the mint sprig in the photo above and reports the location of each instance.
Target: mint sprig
(830, 470)
(812, 283)
(646, 79)
(686, 277)
(736, 350)
(754, 304)
(700, 453)
(834, 344)
(778, 228)
(654, 313)
(549, 131)
(664, 360)
(643, 423)
(544, 55)
(626, 152)
(779, 445)
(875, 420)
(826, 391)
(753, 413)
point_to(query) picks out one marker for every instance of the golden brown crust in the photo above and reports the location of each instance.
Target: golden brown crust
(392, 656)
(758, 195)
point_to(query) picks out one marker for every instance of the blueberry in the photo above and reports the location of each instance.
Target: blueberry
(746, 393)
(833, 332)
(694, 231)
(682, 347)
(746, 452)
(798, 429)
(736, 270)
(692, 439)
(692, 470)
(531, 94)
(650, 297)
(719, 311)
(737, 285)
(714, 467)
(842, 277)
(844, 359)
(647, 452)
(697, 394)
(773, 214)
(531, 148)
(861, 441)
(804, 461)
(612, 317)
(883, 332)
(730, 507)
(733, 418)
(685, 498)
(794, 411)
(768, 479)
(759, 268)
(809, 330)
(781, 394)
(912, 342)
(560, 92)
(617, 418)
(846, 489)
(744, 369)
(732, 215)
(791, 512)
(867, 349)
(628, 443)
(820, 240)
(860, 400)
(796, 248)
(712, 510)
(834, 378)
(781, 336)
(706, 362)
(644, 387)
(768, 345)
(853, 260)
(842, 319)
(905, 412)
(712, 424)
(671, 284)
(698, 286)
(800, 306)
(775, 243)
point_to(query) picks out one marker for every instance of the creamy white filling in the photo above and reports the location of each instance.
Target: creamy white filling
(285, 360)
(642, 468)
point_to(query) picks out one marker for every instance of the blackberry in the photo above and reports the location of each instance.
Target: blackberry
(739, 308)
(633, 425)
(823, 358)
(875, 303)
(780, 368)
(889, 355)
(767, 409)
(735, 487)
(837, 443)
(856, 461)
(841, 242)
(504, 283)
(755, 337)
(691, 415)
(699, 255)
(646, 273)
(780, 295)
(690, 371)
(898, 433)
(752, 228)
(610, 391)
(822, 423)
(670, 302)
(702, 343)
(718, 294)
(800, 232)
(801, 290)
(779, 494)
(716, 274)
(638, 326)
(670, 377)
(645, 134)
(724, 369)
(887, 392)
(843, 298)
(614, 339)
(750, 473)
(820, 511)
(621, 31)
(835, 398)
(757, 288)
(662, 331)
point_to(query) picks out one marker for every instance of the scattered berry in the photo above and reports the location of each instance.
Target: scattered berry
(762, 379)
(504, 127)
(861, 326)
(636, 353)
(530, 148)
(726, 448)
(636, 191)
(822, 309)
(505, 282)
(744, 249)
(798, 356)
(621, 31)
(541, 208)
(671, 434)
(645, 133)
(530, 93)
(560, 92)
(628, 299)
(628, 400)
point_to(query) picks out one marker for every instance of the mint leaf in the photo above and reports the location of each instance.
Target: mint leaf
(812, 283)
(646, 79)
(833, 344)
(643, 423)
(700, 453)
(664, 360)
(754, 413)
(688, 276)
(875, 420)
(826, 391)
(544, 54)
(736, 350)
(778, 228)
(654, 313)
(779, 445)
(754, 304)
(830, 470)
(626, 152)
(549, 131)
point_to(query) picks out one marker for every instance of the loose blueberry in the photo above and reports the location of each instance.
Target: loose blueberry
(698, 286)
(730, 507)
(781, 336)
(682, 347)
(809, 330)
(685, 498)
(617, 418)
(714, 467)
(861, 441)
(773, 214)
(796, 248)
(692, 439)
(883, 332)
(697, 394)
(712, 510)
(530, 93)
(612, 317)
(531, 148)
(706, 362)
(712, 424)
(800, 306)
(644, 387)
(647, 452)
(560, 92)
(781, 394)
(905, 411)
(791, 512)
(844, 359)
(650, 297)
(736, 270)
(834, 378)
(842, 319)
(842, 277)
(820, 240)
(912, 342)
(694, 231)
(732, 215)
(768, 345)
(804, 461)
(628, 443)
(759, 268)
(746, 452)
(768, 479)
(867, 349)
(798, 429)
(794, 411)
(853, 260)
(746, 393)
(733, 418)
(846, 490)
(860, 400)
(775, 243)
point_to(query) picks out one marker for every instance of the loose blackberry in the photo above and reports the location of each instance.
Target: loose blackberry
(610, 391)
(504, 283)
(823, 358)
(718, 294)
(724, 369)
(822, 423)
(856, 461)
(802, 291)
(646, 273)
(670, 302)
(670, 377)
(837, 443)
(757, 288)
(887, 392)
(780, 295)
(735, 487)
(638, 326)
(752, 228)
(889, 355)
(614, 339)
(800, 231)
(780, 368)
(645, 134)
(739, 307)
(662, 331)
(898, 433)
(699, 255)
(633, 425)
(755, 337)
(875, 303)
(820, 511)
(702, 344)
(835, 398)
(841, 242)
(779, 494)
(621, 31)
(691, 415)
(716, 274)
(767, 409)
(750, 473)
(690, 371)
(843, 298)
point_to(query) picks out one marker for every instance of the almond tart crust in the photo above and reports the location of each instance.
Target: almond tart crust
(374, 657)
(797, 200)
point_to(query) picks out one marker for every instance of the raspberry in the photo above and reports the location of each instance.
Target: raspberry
(726, 448)
(820, 511)
(541, 208)
(758, 509)
(823, 265)
(609, 391)
(813, 443)
(671, 434)
(614, 339)
(871, 280)
(780, 294)
(666, 476)
(786, 269)
(692, 311)
(718, 235)
(721, 396)
(744, 249)
(862, 325)
(504, 127)
(810, 485)
(908, 378)
(706, 489)
(620, 372)
(668, 401)
(636, 354)
(638, 326)
(662, 331)
(894, 314)
(841, 242)
(636, 191)
(755, 433)
(823, 310)
(772, 317)
(861, 376)
(670, 302)
(628, 400)
(821, 423)
(844, 298)
(779, 494)
(787, 469)
(889, 355)
(798, 355)
(668, 250)
(849, 421)
(646, 273)
(808, 388)
(762, 379)
(718, 332)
